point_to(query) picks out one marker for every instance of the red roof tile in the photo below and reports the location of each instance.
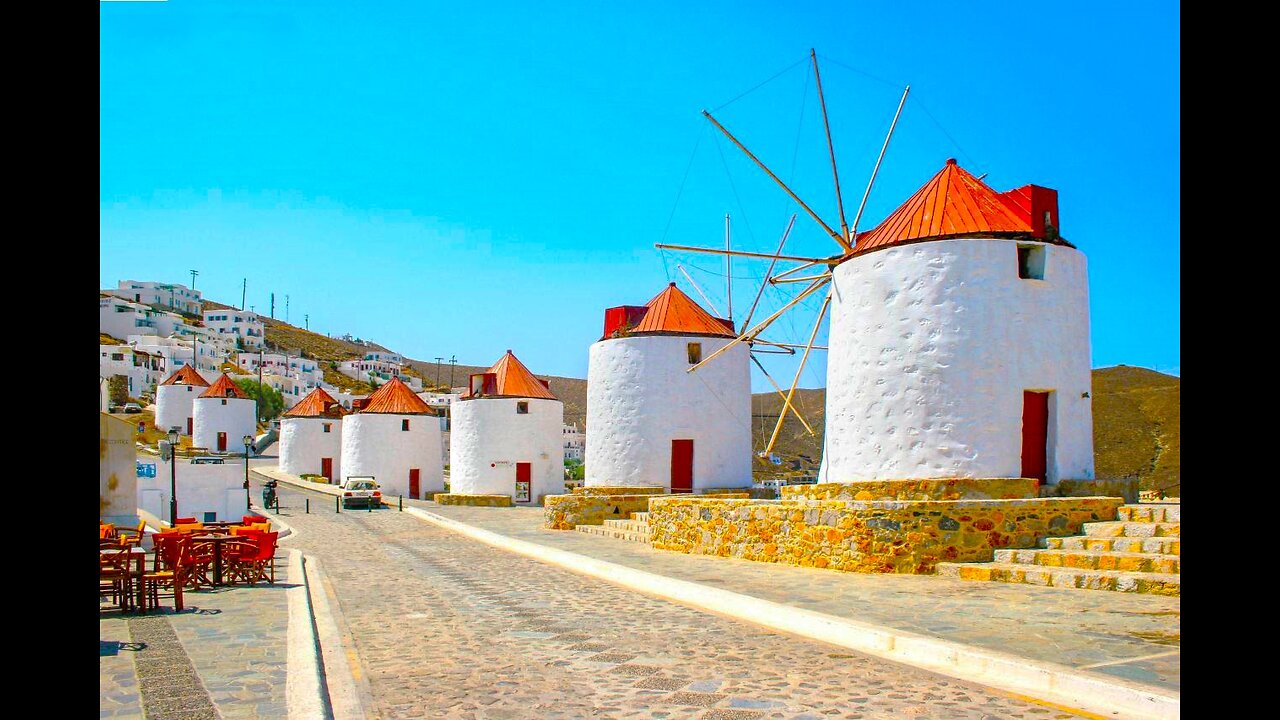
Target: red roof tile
(317, 403)
(673, 312)
(515, 380)
(395, 398)
(220, 387)
(954, 203)
(186, 375)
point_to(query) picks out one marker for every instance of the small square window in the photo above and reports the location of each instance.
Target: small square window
(224, 401)
(695, 353)
(522, 408)
(328, 427)
(1031, 262)
(404, 425)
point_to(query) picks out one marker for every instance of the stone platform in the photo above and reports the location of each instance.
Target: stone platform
(473, 500)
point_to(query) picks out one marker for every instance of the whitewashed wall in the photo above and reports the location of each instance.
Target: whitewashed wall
(640, 398)
(931, 347)
(174, 404)
(201, 488)
(373, 444)
(303, 443)
(239, 417)
(489, 438)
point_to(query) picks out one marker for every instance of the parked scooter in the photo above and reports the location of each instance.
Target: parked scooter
(269, 498)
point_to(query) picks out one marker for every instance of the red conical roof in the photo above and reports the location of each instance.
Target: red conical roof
(317, 403)
(220, 387)
(515, 380)
(395, 398)
(954, 203)
(675, 313)
(186, 375)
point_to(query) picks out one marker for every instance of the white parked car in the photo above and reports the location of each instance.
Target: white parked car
(361, 491)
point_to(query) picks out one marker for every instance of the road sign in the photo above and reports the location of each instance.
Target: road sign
(146, 470)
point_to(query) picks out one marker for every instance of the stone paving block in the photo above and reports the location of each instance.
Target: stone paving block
(696, 699)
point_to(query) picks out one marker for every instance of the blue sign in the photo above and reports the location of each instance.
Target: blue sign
(146, 470)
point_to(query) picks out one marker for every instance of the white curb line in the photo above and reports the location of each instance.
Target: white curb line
(304, 692)
(1113, 697)
(344, 693)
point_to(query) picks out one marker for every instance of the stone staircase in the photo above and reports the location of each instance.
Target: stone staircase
(1138, 552)
(634, 530)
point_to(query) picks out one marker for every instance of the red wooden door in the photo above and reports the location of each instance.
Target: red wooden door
(414, 483)
(326, 468)
(1035, 433)
(524, 482)
(222, 442)
(681, 466)
(189, 426)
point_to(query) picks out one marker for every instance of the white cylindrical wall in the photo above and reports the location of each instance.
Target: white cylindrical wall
(239, 417)
(374, 444)
(931, 348)
(640, 397)
(304, 443)
(488, 438)
(174, 406)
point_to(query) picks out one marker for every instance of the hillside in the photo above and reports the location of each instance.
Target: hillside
(1136, 412)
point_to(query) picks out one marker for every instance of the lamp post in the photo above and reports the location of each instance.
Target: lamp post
(173, 476)
(248, 443)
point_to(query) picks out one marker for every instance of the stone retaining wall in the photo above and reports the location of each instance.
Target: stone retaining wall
(564, 512)
(473, 500)
(866, 536)
(620, 490)
(930, 489)
(1126, 488)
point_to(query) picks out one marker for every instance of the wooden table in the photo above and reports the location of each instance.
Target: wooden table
(139, 556)
(217, 541)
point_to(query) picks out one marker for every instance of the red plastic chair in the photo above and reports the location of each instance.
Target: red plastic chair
(185, 521)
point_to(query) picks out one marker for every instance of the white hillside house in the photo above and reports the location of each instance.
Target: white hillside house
(245, 328)
(175, 400)
(144, 370)
(652, 422)
(311, 437)
(505, 438)
(380, 371)
(394, 438)
(121, 318)
(173, 296)
(575, 441)
(223, 416)
(959, 341)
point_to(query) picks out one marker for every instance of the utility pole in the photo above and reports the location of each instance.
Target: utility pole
(453, 362)
(438, 371)
(306, 323)
(194, 273)
(286, 308)
(273, 306)
(244, 286)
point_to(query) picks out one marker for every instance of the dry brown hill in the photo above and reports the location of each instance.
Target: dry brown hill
(1136, 411)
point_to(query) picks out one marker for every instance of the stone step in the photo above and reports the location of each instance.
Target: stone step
(628, 525)
(631, 536)
(1132, 529)
(1157, 545)
(1151, 512)
(1114, 580)
(640, 517)
(1093, 560)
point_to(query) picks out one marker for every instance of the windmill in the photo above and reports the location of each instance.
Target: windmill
(817, 282)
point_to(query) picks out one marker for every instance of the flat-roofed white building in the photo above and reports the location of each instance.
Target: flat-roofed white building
(170, 295)
(143, 369)
(243, 326)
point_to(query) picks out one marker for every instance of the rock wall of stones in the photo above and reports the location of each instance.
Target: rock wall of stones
(565, 512)
(619, 490)
(931, 489)
(1126, 488)
(473, 500)
(908, 537)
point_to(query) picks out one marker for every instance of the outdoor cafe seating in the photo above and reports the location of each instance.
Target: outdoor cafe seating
(189, 556)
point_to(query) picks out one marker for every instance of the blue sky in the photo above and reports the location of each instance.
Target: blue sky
(461, 180)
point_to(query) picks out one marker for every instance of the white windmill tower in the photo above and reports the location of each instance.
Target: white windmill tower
(959, 335)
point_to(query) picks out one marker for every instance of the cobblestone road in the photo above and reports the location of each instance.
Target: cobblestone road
(444, 626)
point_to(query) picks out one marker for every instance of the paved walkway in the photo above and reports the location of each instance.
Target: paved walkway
(443, 626)
(223, 656)
(1132, 636)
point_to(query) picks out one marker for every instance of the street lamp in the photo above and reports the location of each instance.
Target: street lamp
(173, 476)
(248, 443)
